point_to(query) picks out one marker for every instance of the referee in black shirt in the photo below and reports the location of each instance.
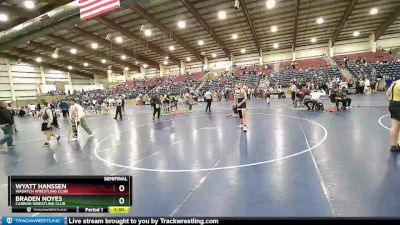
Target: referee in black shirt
(6, 124)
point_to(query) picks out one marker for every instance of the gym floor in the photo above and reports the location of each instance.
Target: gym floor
(290, 162)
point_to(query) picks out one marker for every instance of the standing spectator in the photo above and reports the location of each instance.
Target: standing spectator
(6, 124)
(64, 108)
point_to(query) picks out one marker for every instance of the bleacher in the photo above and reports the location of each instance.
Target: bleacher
(308, 75)
(384, 64)
(223, 83)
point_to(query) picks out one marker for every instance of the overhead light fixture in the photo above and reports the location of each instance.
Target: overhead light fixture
(313, 40)
(3, 17)
(145, 65)
(54, 55)
(29, 4)
(243, 50)
(94, 45)
(85, 64)
(188, 59)
(103, 61)
(181, 24)
(356, 33)
(136, 62)
(234, 36)
(147, 32)
(276, 45)
(171, 48)
(73, 51)
(123, 57)
(373, 11)
(38, 59)
(119, 39)
(126, 68)
(214, 55)
(165, 62)
(70, 67)
(271, 4)
(201, 42)
(320, 20)
(221, 15)
(166, 57)
(274, 29)
(108, 37)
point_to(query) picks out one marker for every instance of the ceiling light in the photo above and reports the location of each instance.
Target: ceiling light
(274, 29)
(165, 62)
(243, 50)
(123, 57)
(313, 40)
(201, 42)
(119, 39)
(234, 36)
(145, 65)
(136, 62)
(188, 59)
(73, 51)
(171, 48)
(70, 67)
(147, 32)
(3, 17)
(320, 20)
(38, 59)
(276, 45)
(214, 55)
(356, 33)
(54, 55)
(29, 4)
(271, 4)
(181, 24)
(94, 45)
(166, 57)
(222, 15)
(85, 64)
(126, 68)
(373, 11)
(103, 61)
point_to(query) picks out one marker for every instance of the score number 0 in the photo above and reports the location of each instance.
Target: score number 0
(121, 200)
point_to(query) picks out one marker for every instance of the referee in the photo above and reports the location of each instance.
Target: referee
(208, 98)
(118, 103)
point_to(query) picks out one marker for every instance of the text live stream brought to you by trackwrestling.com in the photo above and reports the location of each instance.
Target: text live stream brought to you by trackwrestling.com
(19, 220)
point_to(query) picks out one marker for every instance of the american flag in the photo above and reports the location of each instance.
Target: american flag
(91, 8)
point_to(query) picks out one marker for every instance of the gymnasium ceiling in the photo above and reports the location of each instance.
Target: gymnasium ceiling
(296, 22)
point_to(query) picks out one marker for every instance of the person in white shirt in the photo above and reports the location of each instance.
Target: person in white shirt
(293, 90)
(118, 104)
(314, 97)
(367, 86)
(208, 98)
(78, 116)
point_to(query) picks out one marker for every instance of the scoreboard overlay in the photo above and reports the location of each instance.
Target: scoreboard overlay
(89, 194)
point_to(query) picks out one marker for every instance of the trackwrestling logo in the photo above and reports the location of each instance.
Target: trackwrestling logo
(9, 220)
